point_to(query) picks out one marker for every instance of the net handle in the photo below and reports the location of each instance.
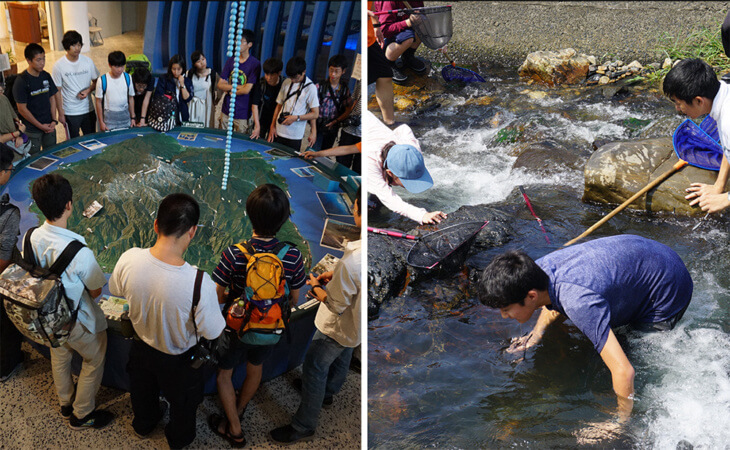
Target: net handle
(408, 10)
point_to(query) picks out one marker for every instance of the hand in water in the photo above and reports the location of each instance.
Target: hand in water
(520, 344)
(598, 433)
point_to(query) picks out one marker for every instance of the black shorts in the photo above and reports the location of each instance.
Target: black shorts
(664, 325)
(237, 352)
(378, 64)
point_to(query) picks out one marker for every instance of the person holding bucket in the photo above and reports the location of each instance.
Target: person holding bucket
(394, 158)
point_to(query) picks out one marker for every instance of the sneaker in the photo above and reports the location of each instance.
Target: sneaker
(66, 411)
(96, 419)
(415, 63)
(399, 63)
(297, 384)
(398, 76)
(288, 435)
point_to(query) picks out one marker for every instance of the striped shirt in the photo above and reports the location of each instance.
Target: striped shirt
(231, 270)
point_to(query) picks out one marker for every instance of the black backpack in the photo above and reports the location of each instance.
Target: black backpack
(162, 113)
(340, 100)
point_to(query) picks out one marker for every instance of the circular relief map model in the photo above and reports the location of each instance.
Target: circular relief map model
(119, 179)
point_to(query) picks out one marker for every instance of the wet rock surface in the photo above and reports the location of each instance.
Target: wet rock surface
(618, 170)
(547, 157)
(388, 272)
(551, 68)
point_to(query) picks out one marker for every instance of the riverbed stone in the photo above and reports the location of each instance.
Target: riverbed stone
(554, 68)
(667, 63)
(548, 157)
(618, 170)
(604, 80)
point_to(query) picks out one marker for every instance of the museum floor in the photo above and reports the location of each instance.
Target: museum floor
(31, 415)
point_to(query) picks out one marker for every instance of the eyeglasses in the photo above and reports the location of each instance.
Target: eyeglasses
(8, 170)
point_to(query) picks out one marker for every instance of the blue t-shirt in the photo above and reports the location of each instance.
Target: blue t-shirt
(615, 281)
(251, 69)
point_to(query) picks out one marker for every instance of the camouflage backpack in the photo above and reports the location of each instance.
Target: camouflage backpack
(34, 297)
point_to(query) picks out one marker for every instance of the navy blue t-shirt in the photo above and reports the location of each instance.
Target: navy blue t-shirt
(616, 281)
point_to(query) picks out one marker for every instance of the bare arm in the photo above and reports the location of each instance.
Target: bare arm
(293, 297)
(224, 85)
(256, 125)
(131, 110)
(334, 151)
(622, 375)
(272, 129)
(100, 115)
(59, 107)
(145, 105)
(95, 293)
(245, 89)
(711, 197)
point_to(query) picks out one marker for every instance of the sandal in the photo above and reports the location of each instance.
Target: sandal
(214, 421)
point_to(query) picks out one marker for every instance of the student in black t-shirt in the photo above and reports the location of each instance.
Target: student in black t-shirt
(144, 85)
(263, 97)
(34, 92)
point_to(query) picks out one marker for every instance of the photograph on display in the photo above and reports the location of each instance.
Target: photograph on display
(187, 136)
(92, 209)
(92, 144)
(42, 163)
(335, 203)
(326, 264)
(336, 234)
(66, 152)
(304, 172)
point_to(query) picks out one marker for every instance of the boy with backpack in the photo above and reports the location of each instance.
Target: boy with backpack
(334, 98)
(249, 307)
(115, 96)
(338, 333)
(34, 94)
(82, 281)
(75, 76)
(263, 98)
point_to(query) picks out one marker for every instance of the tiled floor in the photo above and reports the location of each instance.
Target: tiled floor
(29, 404)
(31, 415)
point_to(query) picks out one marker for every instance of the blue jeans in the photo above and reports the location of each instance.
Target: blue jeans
(323, 373)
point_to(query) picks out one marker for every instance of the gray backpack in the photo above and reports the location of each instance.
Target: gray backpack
(34, 297)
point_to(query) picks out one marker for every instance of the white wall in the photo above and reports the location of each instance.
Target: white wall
(108, 16)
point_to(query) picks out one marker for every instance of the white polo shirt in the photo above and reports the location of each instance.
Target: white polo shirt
(160, 298)
(82, 274)
(721, 113)
(339, 317)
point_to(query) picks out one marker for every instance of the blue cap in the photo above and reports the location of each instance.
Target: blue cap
(406, 162)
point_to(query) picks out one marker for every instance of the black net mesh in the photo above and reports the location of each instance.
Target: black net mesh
(453, 73)
(433, 25)
(452, 244)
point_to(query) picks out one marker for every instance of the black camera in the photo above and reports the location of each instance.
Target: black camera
(283, 117)
(203, 355)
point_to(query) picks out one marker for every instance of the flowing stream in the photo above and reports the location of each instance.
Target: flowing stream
(438, 373)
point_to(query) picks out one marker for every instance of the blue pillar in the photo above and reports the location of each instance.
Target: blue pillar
(154, 34)
(293, 30)
(193, 40)
(272, 26)
(342, 27)
(316, 33)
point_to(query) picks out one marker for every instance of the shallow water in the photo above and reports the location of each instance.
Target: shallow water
(438, 373)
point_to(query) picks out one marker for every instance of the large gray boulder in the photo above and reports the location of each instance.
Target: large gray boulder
(554, 68)
(618, 170)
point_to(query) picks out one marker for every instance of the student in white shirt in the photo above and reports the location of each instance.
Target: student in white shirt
(82, 281)
(393, 158)
(75, 76)
(159, 286)
(297, 103)
(115, 96)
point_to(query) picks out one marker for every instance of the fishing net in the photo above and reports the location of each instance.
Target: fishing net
(453, 73)
(433, 25)
(448, 247)
(698, 145)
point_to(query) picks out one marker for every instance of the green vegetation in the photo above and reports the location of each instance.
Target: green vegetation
(704, 43)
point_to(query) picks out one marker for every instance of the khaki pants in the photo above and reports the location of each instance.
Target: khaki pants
(243, 126)
(92, 348)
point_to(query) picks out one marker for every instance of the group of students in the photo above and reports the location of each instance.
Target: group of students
(274, 108)
(159, 286)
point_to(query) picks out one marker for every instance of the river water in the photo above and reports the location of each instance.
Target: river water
(438, 373)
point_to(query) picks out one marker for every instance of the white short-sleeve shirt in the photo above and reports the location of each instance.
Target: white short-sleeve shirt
(71, 78)
(307, 100)
(160, 298)
(83, 274)
(117, 92)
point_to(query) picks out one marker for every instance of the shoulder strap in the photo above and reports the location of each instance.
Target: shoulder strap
(28, 255)
(128, 79)
(196, 300)
(103, 85)
(246, 248)
(280, 250)
(66, 257)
